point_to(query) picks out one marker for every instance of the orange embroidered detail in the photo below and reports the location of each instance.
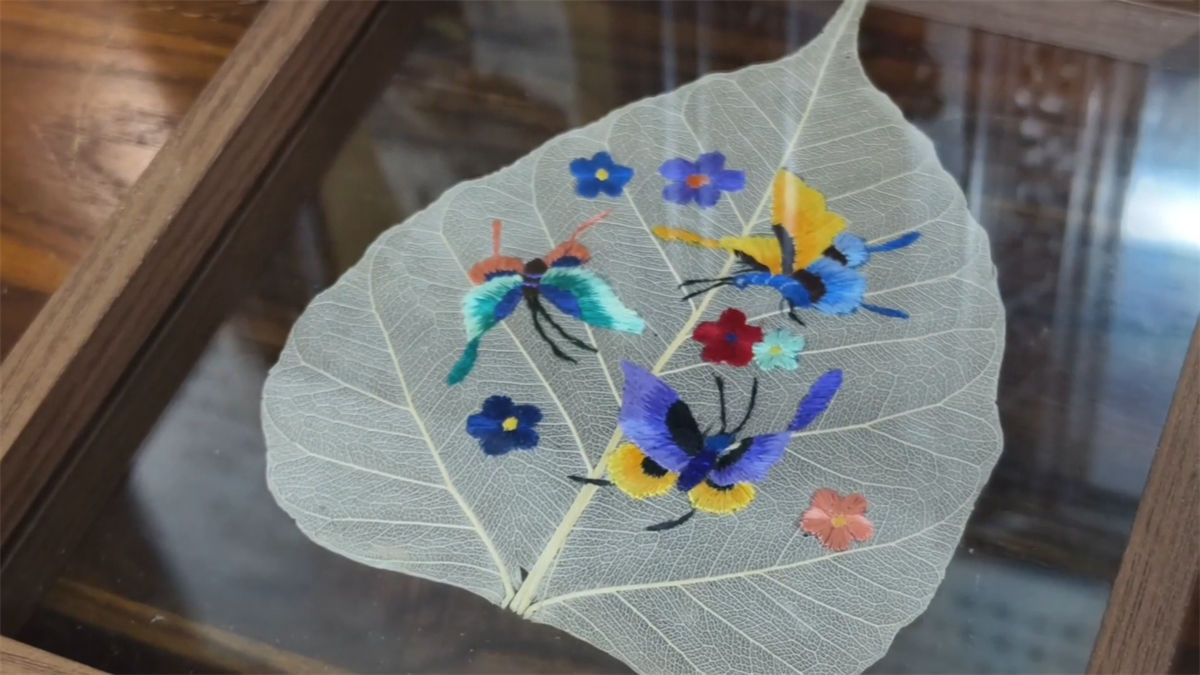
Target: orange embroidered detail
(837, 521)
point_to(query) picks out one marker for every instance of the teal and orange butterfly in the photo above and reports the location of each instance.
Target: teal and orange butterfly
(503, 281)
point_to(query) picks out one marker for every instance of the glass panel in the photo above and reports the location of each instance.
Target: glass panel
(1078, 150)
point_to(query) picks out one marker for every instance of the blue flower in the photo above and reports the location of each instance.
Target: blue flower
(701, 181)
(779, 349)
(503, 426)
(599, 174)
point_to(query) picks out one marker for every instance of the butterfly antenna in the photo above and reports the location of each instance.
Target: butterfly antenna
(721, 392)
(792, 313)
(749, 408)
(671, 524)
(587, 224)
(535, 309)
(714, 287)
(497, 226)
(693, 282)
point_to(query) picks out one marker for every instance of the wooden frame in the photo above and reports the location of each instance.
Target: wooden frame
(1152, 601)
(21, 658)
(1129, 30)
(89, 334)
(119, 337)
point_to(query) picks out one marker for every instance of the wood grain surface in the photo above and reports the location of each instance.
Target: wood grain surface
(89, 93)
(82, 341)
(1153, 596)
(17, 657)
(99, 462)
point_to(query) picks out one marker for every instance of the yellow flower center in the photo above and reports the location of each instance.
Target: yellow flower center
(776, 350)
(838, 521)
(602, 174)
(510, 424)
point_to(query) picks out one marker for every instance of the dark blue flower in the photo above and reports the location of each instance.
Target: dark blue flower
(503, 426)
(599, 174)
(702, 180)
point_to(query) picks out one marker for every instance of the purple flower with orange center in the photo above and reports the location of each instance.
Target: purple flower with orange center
(701, 181)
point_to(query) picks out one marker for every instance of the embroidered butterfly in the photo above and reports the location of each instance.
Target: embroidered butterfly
(809, 258)
(668, 449)
(502, 282)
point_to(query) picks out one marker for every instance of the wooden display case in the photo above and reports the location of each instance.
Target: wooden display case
(154, 258)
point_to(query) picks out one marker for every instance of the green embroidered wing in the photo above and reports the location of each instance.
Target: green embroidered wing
(584, 295)
(483, 307)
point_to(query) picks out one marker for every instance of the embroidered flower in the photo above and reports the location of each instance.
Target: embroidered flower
(728, 339)
(503, 426)
(701, 181)
(779, 349)
(599, 174)
(837, 520)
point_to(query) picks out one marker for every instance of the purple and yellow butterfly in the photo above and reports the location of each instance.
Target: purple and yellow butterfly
(502, 282)
(668, 449)
(808, 258)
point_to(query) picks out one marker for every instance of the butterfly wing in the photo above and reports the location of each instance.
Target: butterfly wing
(497, 266)
(801, 212)
(637, 475)
(657, 420)
(764, 250)
(568, 254)
(483, 307)
(818, 398)
(832, 287)
(721, 499)
(750, 460)
(582, 294)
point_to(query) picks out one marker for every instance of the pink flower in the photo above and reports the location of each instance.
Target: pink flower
(837, 520)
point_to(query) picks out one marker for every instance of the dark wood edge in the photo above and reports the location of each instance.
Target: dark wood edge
(96, 466)
(1148, 612)
(200, 647)
(18, 657)
(1137, 32)
(85, 338)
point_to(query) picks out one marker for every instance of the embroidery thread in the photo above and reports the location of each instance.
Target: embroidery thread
(806, 259)
(503, 281)
(503, 426)
(780, 349)
(701, 181)
(668, 449)
(837, 521)
(600, 174)
(729, 339)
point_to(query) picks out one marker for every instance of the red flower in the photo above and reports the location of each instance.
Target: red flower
(728, 339)
(836, 520)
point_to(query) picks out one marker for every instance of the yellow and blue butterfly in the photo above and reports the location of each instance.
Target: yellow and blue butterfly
(808, 258)
(668, 450)
(502, 282)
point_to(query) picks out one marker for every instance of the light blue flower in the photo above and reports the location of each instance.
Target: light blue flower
(779, 349)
